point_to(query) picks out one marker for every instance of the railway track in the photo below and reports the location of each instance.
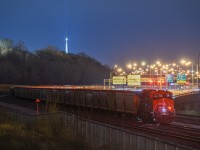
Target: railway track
(188, 119)
(178, 134)
(181, 134)
(194, 130)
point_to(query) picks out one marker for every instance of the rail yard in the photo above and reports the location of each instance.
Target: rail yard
(183, 130)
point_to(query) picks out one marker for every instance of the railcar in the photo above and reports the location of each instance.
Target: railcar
(156, 105)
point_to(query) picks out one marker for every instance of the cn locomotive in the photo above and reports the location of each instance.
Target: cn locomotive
(149, 104)
(157, 105)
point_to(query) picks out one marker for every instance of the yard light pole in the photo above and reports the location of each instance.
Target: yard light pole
(197, 72)
(192, 75)
(111, 75)
(198, 66)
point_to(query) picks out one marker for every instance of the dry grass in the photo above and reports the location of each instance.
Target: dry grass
(49, 133)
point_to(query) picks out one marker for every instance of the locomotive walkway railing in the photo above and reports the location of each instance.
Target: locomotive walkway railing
(99, 134)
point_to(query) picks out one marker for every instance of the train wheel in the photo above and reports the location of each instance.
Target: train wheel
(139, 117)
(155, 121)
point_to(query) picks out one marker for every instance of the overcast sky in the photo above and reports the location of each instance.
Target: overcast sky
(111, 31)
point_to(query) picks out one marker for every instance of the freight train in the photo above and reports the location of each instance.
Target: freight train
(149, 104)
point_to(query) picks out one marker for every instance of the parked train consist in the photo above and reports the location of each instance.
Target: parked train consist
(156, 105)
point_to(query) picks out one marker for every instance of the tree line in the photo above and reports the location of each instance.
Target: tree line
(47, 66)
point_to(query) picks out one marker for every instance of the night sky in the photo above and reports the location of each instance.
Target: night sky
(111, 31)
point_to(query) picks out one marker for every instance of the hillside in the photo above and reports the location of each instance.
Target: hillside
(49, 66)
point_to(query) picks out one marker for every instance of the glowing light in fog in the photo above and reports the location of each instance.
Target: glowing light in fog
(170, 108)
(164, 110)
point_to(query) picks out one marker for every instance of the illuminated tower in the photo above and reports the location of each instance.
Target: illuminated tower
(66, 46)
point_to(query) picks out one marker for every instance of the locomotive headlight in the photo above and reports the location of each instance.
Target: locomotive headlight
(164, 110)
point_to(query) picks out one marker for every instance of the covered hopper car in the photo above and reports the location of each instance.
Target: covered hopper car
(156, 105)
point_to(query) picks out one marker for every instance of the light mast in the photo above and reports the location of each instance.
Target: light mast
(66, 46)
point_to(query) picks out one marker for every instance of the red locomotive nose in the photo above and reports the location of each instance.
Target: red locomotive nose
(163, 113)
